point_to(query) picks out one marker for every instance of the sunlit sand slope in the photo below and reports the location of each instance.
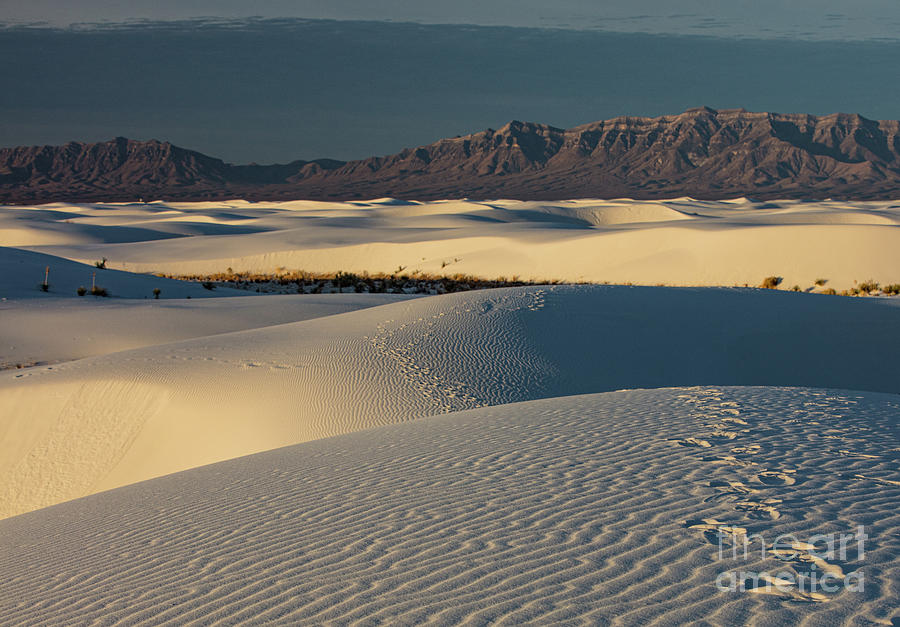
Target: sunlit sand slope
(75, 428)
(569, 510)
(677, 242)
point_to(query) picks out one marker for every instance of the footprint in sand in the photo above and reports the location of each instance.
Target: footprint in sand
(802, 558)
(760, 510)
(777, 477)
(872, 479)
(726, 425)
(718, 532)
(732, 487)
(728, 460)
(722, 435)
(753, 506)
(845, 453)
(784, 589)
(729, 491)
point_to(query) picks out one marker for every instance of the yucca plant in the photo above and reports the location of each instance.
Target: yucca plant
(45, 286)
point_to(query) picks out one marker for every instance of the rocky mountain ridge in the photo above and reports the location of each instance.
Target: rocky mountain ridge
(701, 153)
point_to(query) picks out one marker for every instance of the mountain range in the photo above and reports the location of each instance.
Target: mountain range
(702, 153)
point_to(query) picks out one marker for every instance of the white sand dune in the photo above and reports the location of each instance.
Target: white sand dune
(578, 510)
(24, 272)
(677, 242)
(98, 423)
(45, 331)
(473, 458)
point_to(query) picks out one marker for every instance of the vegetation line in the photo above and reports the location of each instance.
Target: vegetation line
(417, 282)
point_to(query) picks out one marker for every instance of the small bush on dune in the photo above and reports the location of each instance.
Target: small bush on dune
(209, 285)
(829, 290)
(81, 291)
(101, 264)
(771, 282)
(99, 291)
(821, 282)
(344, 279)
(156, 292)
(796, 288)
(867, 287)
(892, 289)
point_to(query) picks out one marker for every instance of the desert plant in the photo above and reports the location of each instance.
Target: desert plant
(101, 264)
(156, 292)
(893, 289)
(418, 282)
(796, 288)
(344, 279)
(821, 282)
(96, 290)
(45, 286)
(81, 291)
(867, 287)
(771, 282)
(209, 285)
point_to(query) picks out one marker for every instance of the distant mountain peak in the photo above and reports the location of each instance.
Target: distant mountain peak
(701, 152)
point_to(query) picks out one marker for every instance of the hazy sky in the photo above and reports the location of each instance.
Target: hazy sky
(278, 90)
(811, 19)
